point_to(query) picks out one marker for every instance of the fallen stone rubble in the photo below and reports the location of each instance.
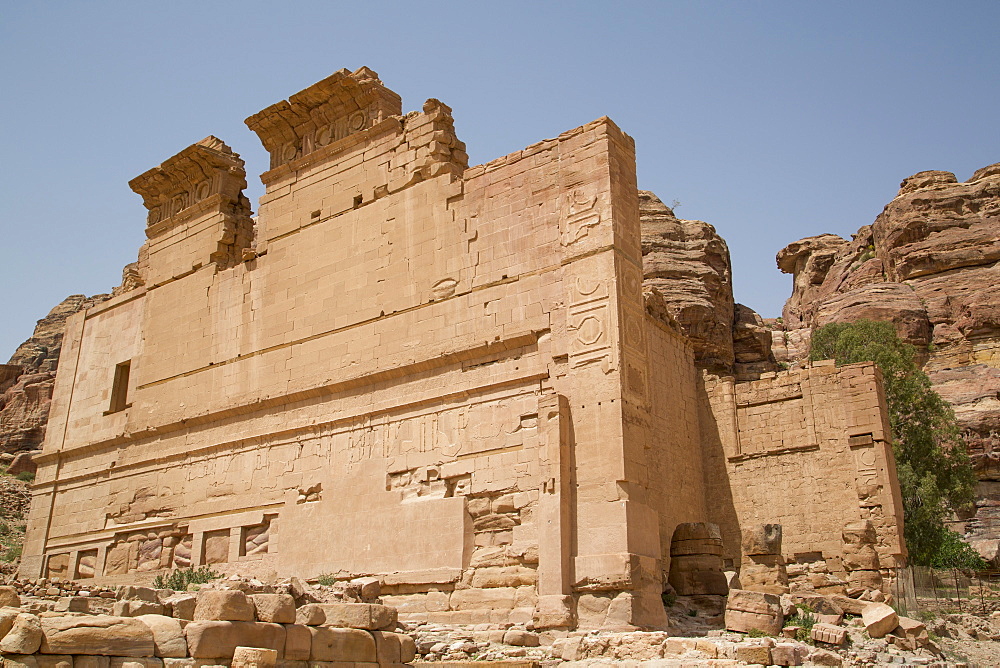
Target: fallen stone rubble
(165, 629)
(308, 626)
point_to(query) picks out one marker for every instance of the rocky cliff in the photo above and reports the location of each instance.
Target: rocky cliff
(687, 262)
(26, 380)
(930, 264)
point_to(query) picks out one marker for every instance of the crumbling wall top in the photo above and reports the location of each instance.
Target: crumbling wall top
(340, 105)
(201, 170)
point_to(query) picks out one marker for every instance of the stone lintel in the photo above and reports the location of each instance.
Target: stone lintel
(192, 176)
(340, 105)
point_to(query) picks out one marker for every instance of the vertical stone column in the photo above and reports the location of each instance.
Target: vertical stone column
(617, 566)
(555, 608)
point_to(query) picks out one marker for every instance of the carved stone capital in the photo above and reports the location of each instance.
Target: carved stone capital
(192, 176)
(340, 105)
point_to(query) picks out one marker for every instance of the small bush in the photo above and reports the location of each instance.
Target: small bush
(180, 579)
(805, 620)
(756, 633)
(327, 579)
(25, 476)
(669, 598)
(692, 613)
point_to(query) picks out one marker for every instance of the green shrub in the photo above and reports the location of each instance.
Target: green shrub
(756, 633)
(953, 552)
(180, 579)
(327, 579)
(805, 620)
(25, 476)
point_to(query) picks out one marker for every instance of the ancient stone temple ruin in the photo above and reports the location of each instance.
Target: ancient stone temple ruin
(445, 376)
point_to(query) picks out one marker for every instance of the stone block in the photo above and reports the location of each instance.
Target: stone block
(254, 657)
(72, 604)
(226, 605)
(860, 557)
(168, 635)
(861, 532)
(54, 660)
(310, 614)
(370, 587)
(824, 657)
(387, 647)
(298, 642)
(748, 610)
(134, 662)
(698, 583)
(277, 608)
(912, 630)
(501, 598)
(7, 617)
(520, 638)
(850, 606)
(19, 661)
(91, 661)
(879, 619)
(96, 634)
(680, 548)
(358, 615)
(9, 598)
(24, 635)
(824, 607)
(407, 648)
(829, 634)
(762, 539)
(788, 654)
(506, 576)
(864, 579)
(696, 531)
(210, 639)
(133, 593)
(182, 606)
(341, 644)
(129, 608)
(554, 612)
(758, 654)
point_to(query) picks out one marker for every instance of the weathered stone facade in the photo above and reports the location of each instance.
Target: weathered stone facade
(448, 377)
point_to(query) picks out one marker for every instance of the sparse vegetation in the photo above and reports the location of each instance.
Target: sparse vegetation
(756, 633)
(327, 579)
(805, 619)
(180, 579)
(25, 476)
(14, 500)
(934, 470)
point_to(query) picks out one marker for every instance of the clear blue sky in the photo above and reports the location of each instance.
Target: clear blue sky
(771, 120)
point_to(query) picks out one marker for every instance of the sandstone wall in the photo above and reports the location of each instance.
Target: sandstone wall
(807, 449)
(928, 264)
(442, 375)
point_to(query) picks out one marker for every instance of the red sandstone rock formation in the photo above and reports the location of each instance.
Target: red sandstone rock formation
(687, 262)
(26, 380)
(930, 264)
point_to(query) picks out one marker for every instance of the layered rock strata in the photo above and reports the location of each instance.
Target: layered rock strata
(688, 263)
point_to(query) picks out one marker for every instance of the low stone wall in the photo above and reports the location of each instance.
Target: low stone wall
(202, 629)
